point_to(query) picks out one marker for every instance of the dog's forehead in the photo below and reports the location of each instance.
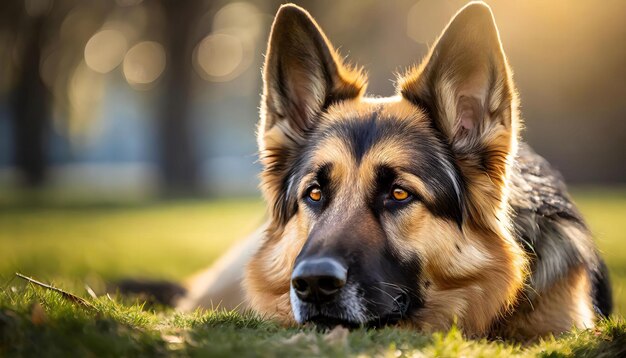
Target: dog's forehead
(379, 130)
(395, 107)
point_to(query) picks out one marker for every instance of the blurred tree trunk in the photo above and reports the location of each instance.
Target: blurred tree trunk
(178, 159)
(31, 105)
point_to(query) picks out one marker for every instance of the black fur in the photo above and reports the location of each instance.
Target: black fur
(602, 292)
(541, 208)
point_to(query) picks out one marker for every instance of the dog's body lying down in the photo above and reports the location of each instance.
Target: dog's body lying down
(419, 209)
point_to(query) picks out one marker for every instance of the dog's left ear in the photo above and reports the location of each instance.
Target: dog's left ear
(465, 85)
(465, 82)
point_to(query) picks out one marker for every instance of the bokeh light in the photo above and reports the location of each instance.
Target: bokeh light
(85, 92)
(144, 63)
(219, 57)
(244, 16)
(228, 50)
(105, 50)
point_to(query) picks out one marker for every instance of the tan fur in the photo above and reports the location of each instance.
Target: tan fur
(564, 306)
(268, 272)
(473, 277)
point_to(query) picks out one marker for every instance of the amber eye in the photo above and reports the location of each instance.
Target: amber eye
(399, 194)
(315, 194)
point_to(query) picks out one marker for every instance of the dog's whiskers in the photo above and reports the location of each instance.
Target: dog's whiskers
(395, 301)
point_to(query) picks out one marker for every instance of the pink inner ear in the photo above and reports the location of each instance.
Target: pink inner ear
(467, 112)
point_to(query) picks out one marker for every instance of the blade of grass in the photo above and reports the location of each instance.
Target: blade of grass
(69, 296)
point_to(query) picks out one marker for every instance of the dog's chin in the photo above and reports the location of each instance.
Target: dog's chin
(328, 322)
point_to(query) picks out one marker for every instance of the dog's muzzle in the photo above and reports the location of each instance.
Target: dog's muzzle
(323, 294)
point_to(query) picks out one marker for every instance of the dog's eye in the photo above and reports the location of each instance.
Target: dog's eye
(315, 193)
(399, 194)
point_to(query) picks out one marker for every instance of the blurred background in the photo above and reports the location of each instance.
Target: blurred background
(161, 96)
(137, 100)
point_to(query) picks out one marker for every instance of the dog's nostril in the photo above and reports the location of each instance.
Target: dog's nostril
(300, 285)
(330, 285)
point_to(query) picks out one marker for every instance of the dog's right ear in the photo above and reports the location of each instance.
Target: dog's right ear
(303, 75)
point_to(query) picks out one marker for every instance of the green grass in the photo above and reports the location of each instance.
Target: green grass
(72, 242)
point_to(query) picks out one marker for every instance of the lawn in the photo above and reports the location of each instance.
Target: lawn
(77, 242)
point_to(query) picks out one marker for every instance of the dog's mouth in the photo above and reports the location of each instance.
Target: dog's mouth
(394, 316)
(327, 322)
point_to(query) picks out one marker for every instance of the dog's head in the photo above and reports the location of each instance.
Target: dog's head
(387, 210)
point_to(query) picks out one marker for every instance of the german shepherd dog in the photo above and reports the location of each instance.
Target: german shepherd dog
(423, 209)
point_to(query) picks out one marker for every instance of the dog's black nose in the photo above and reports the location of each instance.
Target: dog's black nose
(318, 280)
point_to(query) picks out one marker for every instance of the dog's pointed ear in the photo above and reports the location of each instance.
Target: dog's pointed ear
(303, 75)
(465, 82)
(465, 86)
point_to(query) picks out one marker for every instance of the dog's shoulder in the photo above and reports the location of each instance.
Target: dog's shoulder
(551, 229)
(539, 189)
(546, 222)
